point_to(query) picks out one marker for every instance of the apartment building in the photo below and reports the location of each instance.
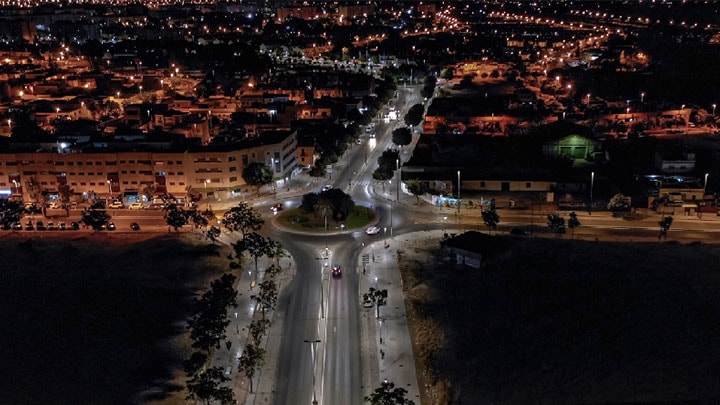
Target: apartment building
(124, 171)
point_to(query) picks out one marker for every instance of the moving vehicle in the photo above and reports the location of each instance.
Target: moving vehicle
(372, 230)
(337, 271)
(136, 206)
(327, 187)
(116, 204)
(276, 208)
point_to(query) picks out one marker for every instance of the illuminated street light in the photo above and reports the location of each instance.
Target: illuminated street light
(642, 97)
(714, 105)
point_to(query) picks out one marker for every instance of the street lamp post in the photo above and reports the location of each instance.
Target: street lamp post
(109, 183)
(207, 200)
(237, 326)
(705, 184)
(313, 346)
(592, 183)
(713, 106)
(380, 329)
(458, 193)
(642, 97)
(397, 187)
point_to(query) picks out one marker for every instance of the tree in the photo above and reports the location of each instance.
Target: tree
(257, 175)
(243, 218)
(205, 387)
(618, 203)
(176, 217)
(213, 233)
(10, 212)
(252, 358)
(556, 223)
(573, 223)
(402, 136)
(308, 201)
(665, 225)
(208, 319)
(377, 297)
(490, 218)
(388, 394)
(64, 195)
(149, 191)
(417, 188)
(414, 115)
(257, 328)
(195, 363)
(95, 218)
(255, 245)
(318, 170)
(267, 295)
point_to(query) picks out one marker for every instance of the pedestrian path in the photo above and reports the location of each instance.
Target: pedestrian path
(388, 335)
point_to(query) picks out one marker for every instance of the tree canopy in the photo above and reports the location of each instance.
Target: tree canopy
(257, 175)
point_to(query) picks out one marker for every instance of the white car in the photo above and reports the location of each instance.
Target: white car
(116, 204)
(327, 187)
(136, 206)
(372, 230)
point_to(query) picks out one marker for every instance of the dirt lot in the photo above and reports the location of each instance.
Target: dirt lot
(566, 322)
(96, 318)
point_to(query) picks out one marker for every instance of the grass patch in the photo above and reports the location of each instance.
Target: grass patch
(96, 322)
(300, 220)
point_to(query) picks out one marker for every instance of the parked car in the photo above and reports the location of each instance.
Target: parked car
(40, 226)
(116, 204)
(518, 232)
(368, 304)
(74, 226)
(372, 230)
(135, 226)
(110, 226)
(17, 226)
(337, 271)
(29, 225)
(136, 206)
(51, 226)
(62, 226)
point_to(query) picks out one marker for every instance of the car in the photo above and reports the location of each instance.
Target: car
(51, 226)
(327, 187)
(62, 226)
(17, 226)
(277, 207)
(372, 136)
(367, 304)
(40, 226)
(136, 206)
(358, 141)
(337, 271)
(29, 225)
(372, 230)
(518, 232)
(116, 204)
(75, 226)
(110, 226)
(135, 226)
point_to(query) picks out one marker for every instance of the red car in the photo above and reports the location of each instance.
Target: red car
(337, 271)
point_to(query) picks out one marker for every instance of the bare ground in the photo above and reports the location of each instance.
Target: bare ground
(559, 321)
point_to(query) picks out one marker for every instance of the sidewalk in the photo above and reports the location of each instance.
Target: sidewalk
(388, 337)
